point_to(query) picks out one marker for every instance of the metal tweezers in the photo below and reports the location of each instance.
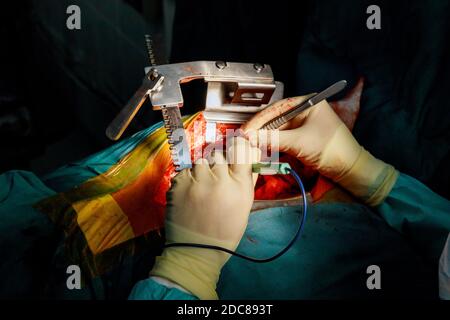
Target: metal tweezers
(287, 116)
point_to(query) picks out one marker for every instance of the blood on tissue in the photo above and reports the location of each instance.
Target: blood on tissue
(267, 187)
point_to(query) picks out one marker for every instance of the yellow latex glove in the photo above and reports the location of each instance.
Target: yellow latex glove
(207, 205)
(319, 139)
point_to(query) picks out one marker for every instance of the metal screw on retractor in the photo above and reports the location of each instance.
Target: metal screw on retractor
(150, 51)
(258, 67)
(154, 74)
(221, 65)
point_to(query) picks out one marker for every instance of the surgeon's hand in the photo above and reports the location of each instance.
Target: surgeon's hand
(209, 204)
(319, 139)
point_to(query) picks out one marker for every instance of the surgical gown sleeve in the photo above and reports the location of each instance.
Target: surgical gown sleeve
(411, 208)
(149, 289)
(421, 215)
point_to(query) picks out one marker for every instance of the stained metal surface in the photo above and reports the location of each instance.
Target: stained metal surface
(221, 108)
(177, 73)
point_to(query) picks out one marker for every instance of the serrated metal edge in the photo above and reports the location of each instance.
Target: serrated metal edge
(274, 124)
(175, 148)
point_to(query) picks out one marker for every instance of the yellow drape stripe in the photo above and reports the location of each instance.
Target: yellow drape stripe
(101, 219)
(103, 223)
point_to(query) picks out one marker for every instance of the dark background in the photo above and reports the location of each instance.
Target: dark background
(59, 88)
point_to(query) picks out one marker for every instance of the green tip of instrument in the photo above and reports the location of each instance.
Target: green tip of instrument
(271, 168)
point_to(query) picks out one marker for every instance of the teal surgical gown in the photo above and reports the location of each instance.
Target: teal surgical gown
(403, 236)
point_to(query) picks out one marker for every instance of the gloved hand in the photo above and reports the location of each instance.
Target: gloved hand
(207, 205)
(319, 139)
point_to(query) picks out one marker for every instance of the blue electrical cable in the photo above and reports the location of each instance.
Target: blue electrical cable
(279, 254)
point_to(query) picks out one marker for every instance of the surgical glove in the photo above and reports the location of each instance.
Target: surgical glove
(319, 139)
(207, 205)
